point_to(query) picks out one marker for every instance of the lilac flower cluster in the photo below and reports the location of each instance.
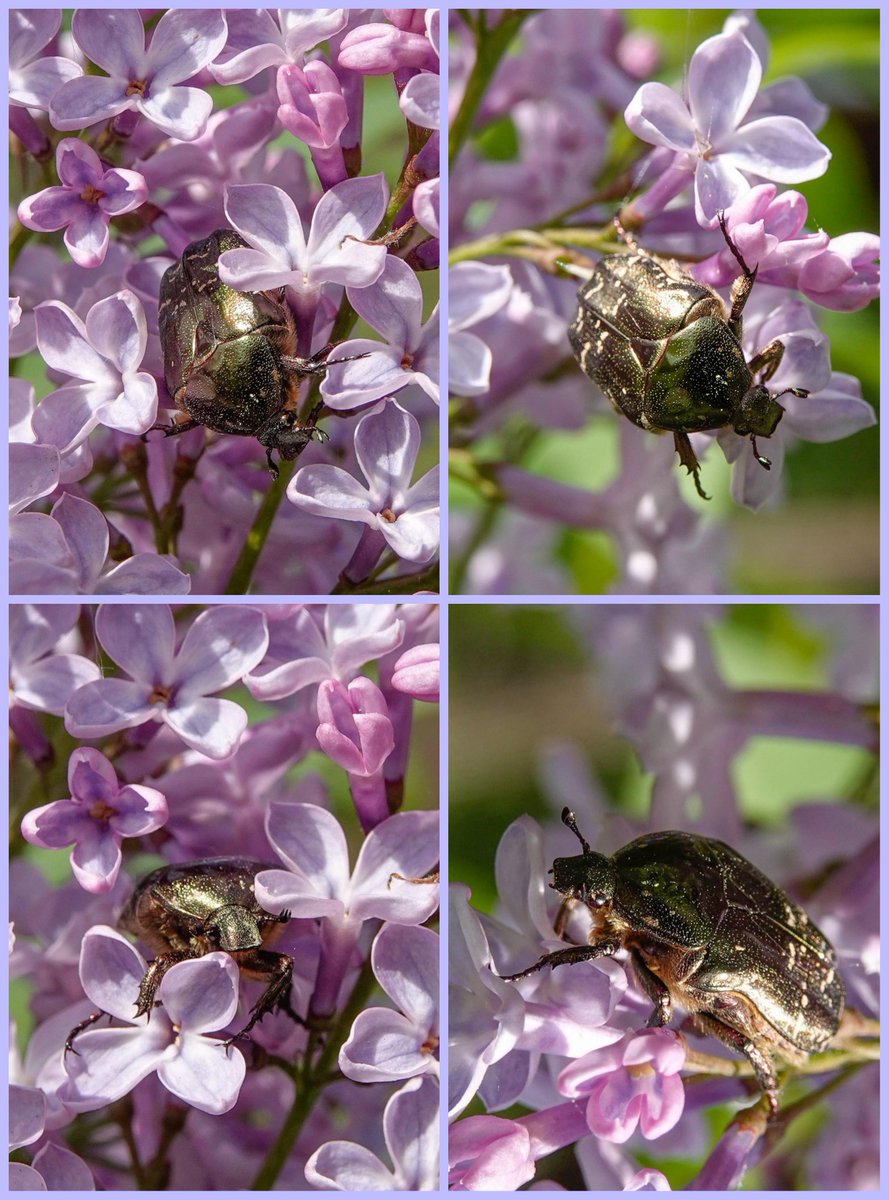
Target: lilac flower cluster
(280, 734)
(525, 459)
(138, 134)
(567, 1050)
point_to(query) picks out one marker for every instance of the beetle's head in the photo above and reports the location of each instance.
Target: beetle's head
(235, 928)
(758, 413)
(589, 878)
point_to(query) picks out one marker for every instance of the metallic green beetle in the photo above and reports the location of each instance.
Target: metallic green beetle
(187, 910)
(229, 356)
(708, 931)
(664, 352)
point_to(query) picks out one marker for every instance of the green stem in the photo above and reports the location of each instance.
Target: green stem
(312, 1082)
(424, 580)
(490, 46)
(242, 574)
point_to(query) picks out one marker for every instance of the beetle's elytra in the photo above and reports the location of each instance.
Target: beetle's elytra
(188, 910)
(230, 360)
(667, 355)
(708, 931)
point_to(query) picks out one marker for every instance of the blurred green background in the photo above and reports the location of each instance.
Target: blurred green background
(823, 538)
(523, 678)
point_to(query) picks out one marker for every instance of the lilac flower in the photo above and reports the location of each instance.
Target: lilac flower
(476, 292)
(323, 642)
(139, 79)
(410, 1124)
(281, 255)
(400, 513)
(261, 39)
(385, 1044)
(845, 276)
(393, 305)
(88, 198)
(65, 554)
(104, 352)
(97, 817)
(379, 49)
(33, 473)
(710, 135)
(33, 80)
(313, 108)
(417, 672)
(197, 997)
(41, 677)
(170, 685)
(56, 1170)
(356, 732)
(495, 1154)
(632, 1083)
(318, 882)
(27, 1115)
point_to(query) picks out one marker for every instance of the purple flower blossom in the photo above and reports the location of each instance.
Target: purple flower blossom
(410, 1125)
(104, 352)
(261, 39)
(633, 1082)
(386, 1044)
(170, 685)
(33, 80)
(65, 554)
(417, 672)
(97, 817)
(141, 80)
(396, 511)
(197, 997)
(313, 108)
(386, 882)
(393, 305)
(88, 198)
(710, 133)
(42, 676)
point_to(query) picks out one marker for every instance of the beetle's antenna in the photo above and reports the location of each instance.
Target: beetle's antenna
(569, 819)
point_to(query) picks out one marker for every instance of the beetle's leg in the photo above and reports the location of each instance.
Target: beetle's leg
(627, 238)
(689, 460)
(571, 954)
(763, 1067)
(318, 363)
(655, 989)
(151, 980)
(79, 1028)
(767, 361)
(278, 969)
(273, 467)
(760, 458)
(743, 285)
(174, 428)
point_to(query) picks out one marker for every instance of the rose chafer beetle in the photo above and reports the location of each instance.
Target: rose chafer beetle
(667, 355)
(230, 360)
(706, 930)
(188, 910)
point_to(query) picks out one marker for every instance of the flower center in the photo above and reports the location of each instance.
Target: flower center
(641, 1071)
(101, 811)
(91, 194)
(160, 694)
(389, 516)
(430, 1045)
(136, 87)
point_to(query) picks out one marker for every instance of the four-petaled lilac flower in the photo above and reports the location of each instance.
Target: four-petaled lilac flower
(387, 882)
(279, 253)
(401, 513)
(318, 642)
(410, 1126)
(39, 676)
(171, 685)
(105, 353)
(98, 816)
(393, 305)
(142, 80)
(386, 1044)
(197, 997)
(635, 1082)
(65, 553)
(33, 79)
(89, 197)
(710, 132)
(260, 38)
